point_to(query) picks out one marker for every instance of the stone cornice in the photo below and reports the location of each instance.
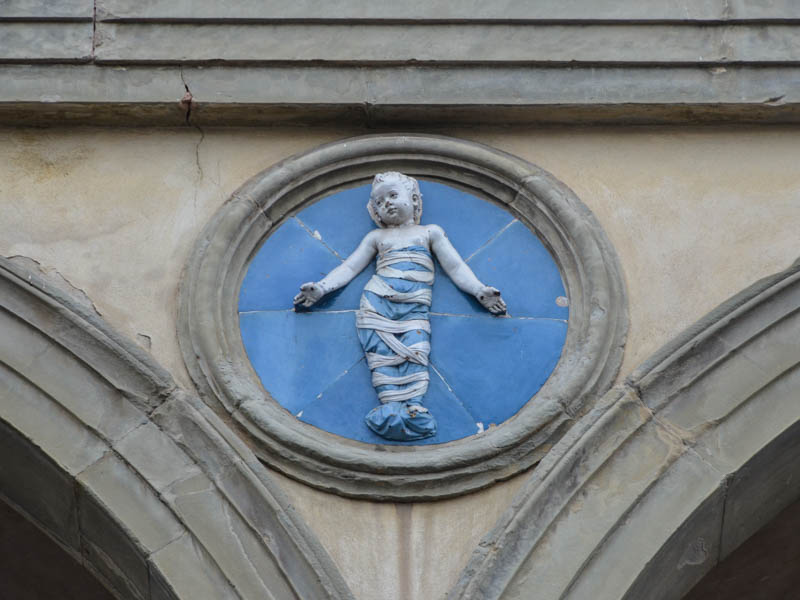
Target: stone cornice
(126, 63)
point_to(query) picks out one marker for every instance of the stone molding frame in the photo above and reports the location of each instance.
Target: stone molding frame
(213, 351)
(136, 479)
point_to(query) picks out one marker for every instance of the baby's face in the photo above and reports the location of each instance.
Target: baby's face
(394, 204)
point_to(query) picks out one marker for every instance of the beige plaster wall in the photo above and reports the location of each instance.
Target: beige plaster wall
(401, 551)
(695, 215)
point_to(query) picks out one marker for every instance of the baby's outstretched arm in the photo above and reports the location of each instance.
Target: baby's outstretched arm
(311, 292)
(462, 275)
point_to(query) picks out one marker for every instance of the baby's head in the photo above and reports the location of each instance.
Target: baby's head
(393, 178)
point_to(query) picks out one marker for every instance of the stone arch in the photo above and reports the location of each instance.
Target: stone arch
(671, 471)
(131, 475)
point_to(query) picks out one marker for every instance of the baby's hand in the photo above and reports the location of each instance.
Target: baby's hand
(309, 293)
(491, 300)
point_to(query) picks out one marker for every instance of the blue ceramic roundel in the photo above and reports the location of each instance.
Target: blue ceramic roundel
(483, 368)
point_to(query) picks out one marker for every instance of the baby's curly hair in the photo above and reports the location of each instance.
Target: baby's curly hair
(407, 182)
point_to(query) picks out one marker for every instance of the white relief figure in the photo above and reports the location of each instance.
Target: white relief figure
(392, 320)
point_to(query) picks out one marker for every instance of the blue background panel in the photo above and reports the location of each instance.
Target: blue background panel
(341, 409)
(519, 265)
(469, 222)
(289, 257)
(298, 355)
(342, 221)
(312, 364)
(493, 364)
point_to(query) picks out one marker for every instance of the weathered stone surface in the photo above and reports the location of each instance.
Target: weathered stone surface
(717, 418)
(686, 554)
(775, 349)
(728, 358)
(406, 551)
(450, 62)
(156, 456)
(765, 485)
(506, 10)
(367, 95)
(47, 9)
(190, 572)
(650, 525)
(36, 42)
(58, 433)
(465, 43)
(159, 588)
(119, 490)
(243, 560)
(617, 418)
(78, 337)
(607, 496)
(51, 84)
(107, 546)
(261, 512)
(88, 397)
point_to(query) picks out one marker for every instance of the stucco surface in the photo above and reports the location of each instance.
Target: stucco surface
(401, 551)
(116, 212)
(695, 215)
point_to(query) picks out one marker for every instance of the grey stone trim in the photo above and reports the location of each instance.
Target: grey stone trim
(412, 96)
(467, 43)
(135, 478)
(47, 10)
(669, 473)
(45, 42)
(458, 12)
(389, 62)
(213, 351)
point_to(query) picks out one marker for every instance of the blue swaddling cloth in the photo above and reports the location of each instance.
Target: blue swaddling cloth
(394, 331)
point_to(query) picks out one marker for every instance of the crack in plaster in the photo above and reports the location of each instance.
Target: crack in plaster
(775, 100)
(94, 29)
(56, 279)
(187, 102)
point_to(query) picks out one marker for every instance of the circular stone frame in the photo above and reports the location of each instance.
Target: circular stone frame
(214, 354)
